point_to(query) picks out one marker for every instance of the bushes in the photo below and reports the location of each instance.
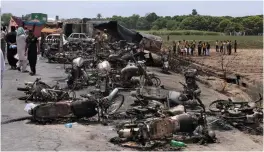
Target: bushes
(183, 32)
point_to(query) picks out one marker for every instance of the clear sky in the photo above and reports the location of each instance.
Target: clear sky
(89, 9)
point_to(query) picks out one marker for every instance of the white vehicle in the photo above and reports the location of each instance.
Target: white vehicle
(54, 39)
(79, 36)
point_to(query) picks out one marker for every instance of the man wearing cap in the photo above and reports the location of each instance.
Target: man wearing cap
(104, 38)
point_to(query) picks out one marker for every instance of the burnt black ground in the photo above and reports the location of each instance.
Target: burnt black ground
(24, 136)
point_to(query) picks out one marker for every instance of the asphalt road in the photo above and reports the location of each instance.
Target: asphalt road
(25, 136)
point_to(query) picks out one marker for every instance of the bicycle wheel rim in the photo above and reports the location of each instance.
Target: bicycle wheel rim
(116, 104)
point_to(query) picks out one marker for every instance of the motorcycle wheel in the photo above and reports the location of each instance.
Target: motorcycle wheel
(217, 105)
(85, 78)
(156, 81)
(116, 104)
(24, 98)
(22, 89)
(196, 109)
(228, 117)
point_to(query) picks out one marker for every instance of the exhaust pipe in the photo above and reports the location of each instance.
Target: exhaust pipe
(112, 94)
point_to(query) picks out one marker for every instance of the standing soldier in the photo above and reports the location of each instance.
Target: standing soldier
(104, 39)
(105, 36)
(97, 42)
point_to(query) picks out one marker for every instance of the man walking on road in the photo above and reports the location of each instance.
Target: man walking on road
(32, 51)
(2, 67)
(11, 48)
(3, 42)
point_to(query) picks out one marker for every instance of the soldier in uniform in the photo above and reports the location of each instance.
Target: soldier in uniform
(104, 38)
(97, 42)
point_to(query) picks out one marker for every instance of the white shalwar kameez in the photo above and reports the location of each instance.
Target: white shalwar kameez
(21, 49)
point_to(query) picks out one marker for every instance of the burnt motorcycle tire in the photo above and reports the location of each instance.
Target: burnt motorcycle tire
(22, 89)
(24, 98)
(234, 117)
(157, 80)
(114, 100)
(84, 108)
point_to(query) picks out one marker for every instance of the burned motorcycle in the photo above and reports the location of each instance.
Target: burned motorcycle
(134, 75)
(191, 85)
(246, 112)
(40, 91)
(77, 76)
(103, 69)
(163, 128)
(51, 51)
(171, 99)
(80, 108)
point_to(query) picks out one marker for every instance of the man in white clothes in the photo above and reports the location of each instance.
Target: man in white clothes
(2, 67)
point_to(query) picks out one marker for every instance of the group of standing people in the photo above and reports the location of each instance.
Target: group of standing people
(184, 47)
(188, 48)
(101, 39)
(22, 48)
(225, 47)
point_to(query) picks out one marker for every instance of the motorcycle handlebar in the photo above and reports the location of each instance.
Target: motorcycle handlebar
(37, 79)
(260, 98)
(182, 84)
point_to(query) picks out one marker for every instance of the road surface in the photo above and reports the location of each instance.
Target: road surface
(25, 136)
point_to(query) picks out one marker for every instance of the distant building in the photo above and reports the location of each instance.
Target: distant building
(36, 16)
(76, 25)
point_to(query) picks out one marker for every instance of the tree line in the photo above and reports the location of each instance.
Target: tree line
(251, 25)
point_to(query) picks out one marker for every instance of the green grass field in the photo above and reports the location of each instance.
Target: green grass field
(245, 42)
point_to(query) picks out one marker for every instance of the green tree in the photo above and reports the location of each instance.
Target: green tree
(194, 12)
(253, 25)
(224, 24)
(249, 24)
(143, 24)
(98, 16)
(5, 18)
(171, 24)
(194, 23)
(151, 17)
(133, 20)
(160, 23)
